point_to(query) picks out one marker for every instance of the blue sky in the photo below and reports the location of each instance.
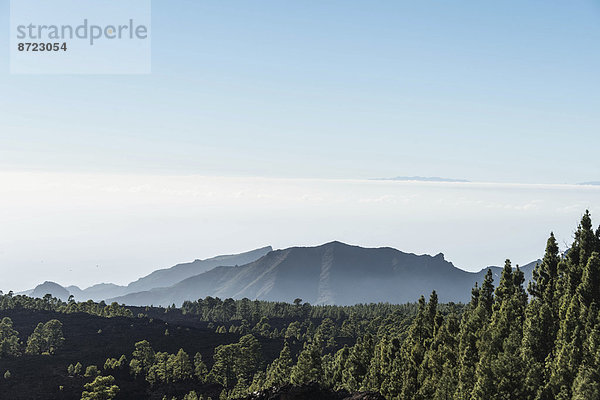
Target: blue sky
(262, 122)
(488, 91)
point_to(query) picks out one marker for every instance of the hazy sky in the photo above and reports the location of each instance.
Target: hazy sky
(325, 92)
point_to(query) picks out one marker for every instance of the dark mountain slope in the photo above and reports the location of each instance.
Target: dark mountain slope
(90, 340)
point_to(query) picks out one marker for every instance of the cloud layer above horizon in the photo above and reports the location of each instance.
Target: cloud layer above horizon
(90, 228)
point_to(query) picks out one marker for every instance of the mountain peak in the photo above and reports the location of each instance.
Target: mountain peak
(51, 288)
(336, 243)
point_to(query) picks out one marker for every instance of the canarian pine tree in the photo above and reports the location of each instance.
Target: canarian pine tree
(357, 364)
(580, 284)
(541, 323)
(381, 365)
(500, 370)
(474, 322)
(414, 347)
(278, 373)
(439, 375)
(308, 368)
(333, 368)
(200, 369)
(9, 339)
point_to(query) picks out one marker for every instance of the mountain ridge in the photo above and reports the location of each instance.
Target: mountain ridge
(172, 275)
(332, 273)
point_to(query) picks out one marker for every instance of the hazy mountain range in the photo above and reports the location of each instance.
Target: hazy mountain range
(333, 273)
(158, 278)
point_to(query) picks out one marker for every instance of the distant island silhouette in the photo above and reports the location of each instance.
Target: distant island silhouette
(422, 179)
